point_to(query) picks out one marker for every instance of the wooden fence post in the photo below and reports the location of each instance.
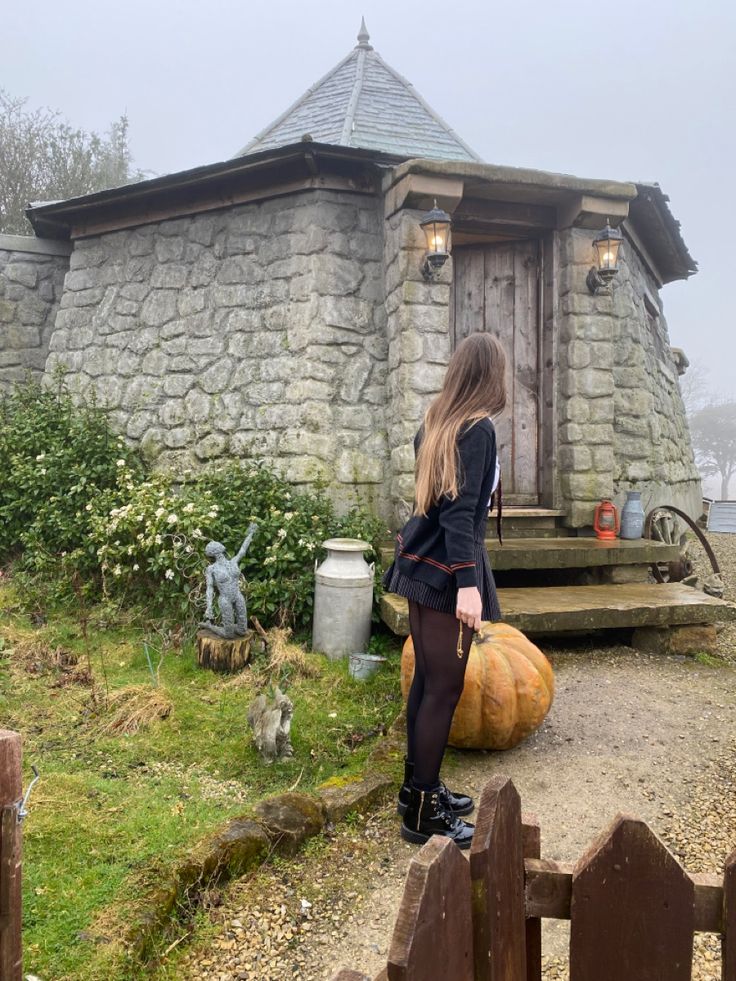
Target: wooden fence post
(728, 940)
(632, 909)
(497, 874)
(11, 957)
(433, 935)
(532, 848)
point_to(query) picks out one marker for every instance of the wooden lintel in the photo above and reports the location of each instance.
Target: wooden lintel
(420, 191)
(226, 199)
(548, 887)
(474, 214)
(587, 211)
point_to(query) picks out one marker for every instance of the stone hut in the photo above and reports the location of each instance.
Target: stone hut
(274, 305)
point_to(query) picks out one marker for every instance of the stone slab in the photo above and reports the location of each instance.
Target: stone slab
(572, 553)
(586, 608)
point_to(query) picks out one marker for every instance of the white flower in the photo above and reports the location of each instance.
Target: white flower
(197, 533)
(130, 549)
(172, 519)
(42, 470)
(158, 539)
(288, 515)
(139, 537)
(136, 567)
(269, 559)
(188, 508)
(311, 546)
(41, 456)
(117, 571)
(120, 463)
(169, 574)
(281, 532)
(160, 512)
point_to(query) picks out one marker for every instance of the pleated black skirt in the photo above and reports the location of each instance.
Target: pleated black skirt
(446, 600)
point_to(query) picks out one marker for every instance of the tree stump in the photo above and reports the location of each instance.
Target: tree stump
(219, 654)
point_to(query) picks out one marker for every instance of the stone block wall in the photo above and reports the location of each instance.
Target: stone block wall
(31, 279)
(622, 424)
(417, 329)
(254, 331)
(652, 446)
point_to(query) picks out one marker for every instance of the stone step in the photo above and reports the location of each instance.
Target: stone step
(569, 553)
(586, 608)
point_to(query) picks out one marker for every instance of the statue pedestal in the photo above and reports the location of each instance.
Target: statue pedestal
(218, 654)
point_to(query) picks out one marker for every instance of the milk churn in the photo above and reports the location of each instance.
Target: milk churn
(632, 516)
(343, 599)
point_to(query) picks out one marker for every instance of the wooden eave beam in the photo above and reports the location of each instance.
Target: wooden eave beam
(99, 224)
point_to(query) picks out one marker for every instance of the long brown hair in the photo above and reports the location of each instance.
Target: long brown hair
(474, 387)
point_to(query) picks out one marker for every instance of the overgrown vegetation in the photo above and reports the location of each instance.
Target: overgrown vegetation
(130, 782)
(77, 506)
(141, 752)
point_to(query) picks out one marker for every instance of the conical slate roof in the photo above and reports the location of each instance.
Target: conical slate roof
(364, 103)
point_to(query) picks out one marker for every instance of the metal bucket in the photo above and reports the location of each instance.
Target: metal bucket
(362, 666)
(343, 599)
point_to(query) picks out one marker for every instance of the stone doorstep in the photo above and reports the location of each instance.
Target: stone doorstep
(282, 823)
(570, 553)
(554, 609)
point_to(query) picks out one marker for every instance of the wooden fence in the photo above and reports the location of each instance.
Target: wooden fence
(11, 962)
(633, 908)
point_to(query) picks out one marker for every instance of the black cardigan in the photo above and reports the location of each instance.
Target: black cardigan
(439, 548)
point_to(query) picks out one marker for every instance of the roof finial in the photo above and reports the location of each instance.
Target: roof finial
(363, 35)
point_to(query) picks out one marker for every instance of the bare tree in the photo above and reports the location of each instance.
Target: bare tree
(694, 387)
(713, 429)
(43, 158)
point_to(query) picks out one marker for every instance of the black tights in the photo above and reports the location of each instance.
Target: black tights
(436, 689)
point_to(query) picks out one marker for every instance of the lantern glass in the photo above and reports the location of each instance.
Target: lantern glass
(436, 226)
(607, 244)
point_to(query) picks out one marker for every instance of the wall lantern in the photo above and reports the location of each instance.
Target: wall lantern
(607, 244)
(436, 227)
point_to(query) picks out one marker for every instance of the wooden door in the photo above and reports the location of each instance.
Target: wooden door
(496, 289)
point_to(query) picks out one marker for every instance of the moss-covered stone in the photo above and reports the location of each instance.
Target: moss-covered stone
(291, 818)
(339, 800)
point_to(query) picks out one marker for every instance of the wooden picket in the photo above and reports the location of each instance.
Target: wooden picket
(11, 959)
(497, 874)
(728, 940)
(628, 881)
(633, 908)
(433, 936)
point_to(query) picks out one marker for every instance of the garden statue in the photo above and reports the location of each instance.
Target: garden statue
(271, 725)
(224, 573)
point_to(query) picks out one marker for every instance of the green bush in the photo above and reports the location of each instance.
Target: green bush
(77, 506)
(151, 548)
(57, 460)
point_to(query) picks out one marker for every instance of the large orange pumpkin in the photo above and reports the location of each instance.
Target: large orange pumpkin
(508, 690)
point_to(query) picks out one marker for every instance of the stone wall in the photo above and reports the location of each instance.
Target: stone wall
(621, 420)
(651, 436)
(418, 346)
(31, 277)
(255, 331)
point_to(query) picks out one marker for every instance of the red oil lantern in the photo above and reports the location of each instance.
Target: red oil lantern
(607, 521)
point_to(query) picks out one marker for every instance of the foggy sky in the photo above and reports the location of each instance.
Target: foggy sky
(623, 90)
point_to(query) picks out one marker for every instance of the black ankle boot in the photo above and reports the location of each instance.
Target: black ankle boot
(426, 815)
(459, 803)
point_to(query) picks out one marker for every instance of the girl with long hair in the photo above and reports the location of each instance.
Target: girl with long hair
(441, 566)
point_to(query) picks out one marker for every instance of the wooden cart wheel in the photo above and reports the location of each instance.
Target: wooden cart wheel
(662, 525)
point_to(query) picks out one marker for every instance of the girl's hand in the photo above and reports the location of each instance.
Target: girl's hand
(469, 606)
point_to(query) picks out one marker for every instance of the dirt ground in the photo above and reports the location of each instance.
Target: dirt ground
(646, 734)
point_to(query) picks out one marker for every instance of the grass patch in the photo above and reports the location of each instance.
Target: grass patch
(132, 775)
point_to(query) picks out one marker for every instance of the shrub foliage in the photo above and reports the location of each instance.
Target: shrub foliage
(76, 502)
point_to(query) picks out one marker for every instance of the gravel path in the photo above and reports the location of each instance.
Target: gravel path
(639, 733)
